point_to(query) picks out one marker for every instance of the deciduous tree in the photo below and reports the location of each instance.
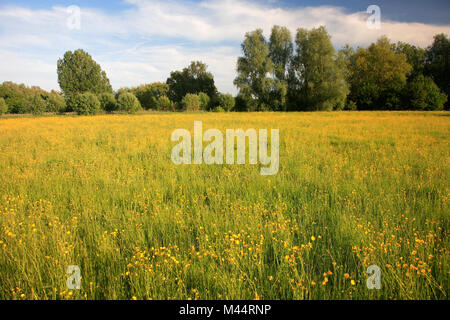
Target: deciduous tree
(3, 106)
(79, 73)
(128, 102)
(191, 102)
(193, 79)
(438, 62)
(254, 69)
(226, 101)
(424, 94)
(108, 102)
(317, 79)
(378, 76)
(85, 103)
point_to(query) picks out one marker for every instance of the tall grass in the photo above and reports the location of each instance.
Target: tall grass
(353, 190)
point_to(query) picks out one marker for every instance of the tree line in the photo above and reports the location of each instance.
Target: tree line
(282, 73)
(308, 74)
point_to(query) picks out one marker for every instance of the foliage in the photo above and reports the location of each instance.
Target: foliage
(226, 102)
(193, 79)
(79, 73)
(19, 97)
(312, 79)
(275, 75)
(317, 80)
(415, 56)
(56, 102)
(218, 109)
(205, 101)
(378, 76)
(253, 69)
(244, 103)
(128, 102)
(84, 103)
(280, 51)
(37, 105)
(279, 95)
(14, 96)
(163, 103)
(149, 94)
(3, 106)
(191, 102)
(437, 65)
(345, 59)
(350, 106)
(108, 102)
(424, 94)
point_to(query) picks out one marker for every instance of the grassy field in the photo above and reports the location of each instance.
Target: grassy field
(353, 190)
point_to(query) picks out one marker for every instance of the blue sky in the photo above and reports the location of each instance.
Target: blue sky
(141, 41)
(431, 11)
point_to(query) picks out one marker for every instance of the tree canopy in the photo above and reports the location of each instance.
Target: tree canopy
(79, 73)
(253, 69)
(193, 79)
(272, 77)
(280, 51)
(437, 65)
(317, 80)
(378, 76)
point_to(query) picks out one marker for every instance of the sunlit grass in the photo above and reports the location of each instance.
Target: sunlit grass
(353, 190)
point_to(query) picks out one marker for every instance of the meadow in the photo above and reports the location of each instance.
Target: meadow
(354, 189)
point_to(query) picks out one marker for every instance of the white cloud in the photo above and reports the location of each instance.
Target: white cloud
(228, 20)
(153, 37)
(26, 69)
(145, 64)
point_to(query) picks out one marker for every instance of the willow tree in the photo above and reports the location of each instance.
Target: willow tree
(280, 51)
(254, 68)
(317, 79)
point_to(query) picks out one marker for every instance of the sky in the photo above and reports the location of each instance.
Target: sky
(142, 41)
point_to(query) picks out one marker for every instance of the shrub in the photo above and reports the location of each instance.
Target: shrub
(37, 105)
(85, 103)
(424, 94)
(191, 102)
(3, 106)
(245, 103)
(70, 102)
(226, 101)
(122, 91)
(20, 104)
(128, 102)
(148, 94)
(108, 102)
(218, 109)
(56, 103)
(204, 101)
(164, 103)
(351, 105)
